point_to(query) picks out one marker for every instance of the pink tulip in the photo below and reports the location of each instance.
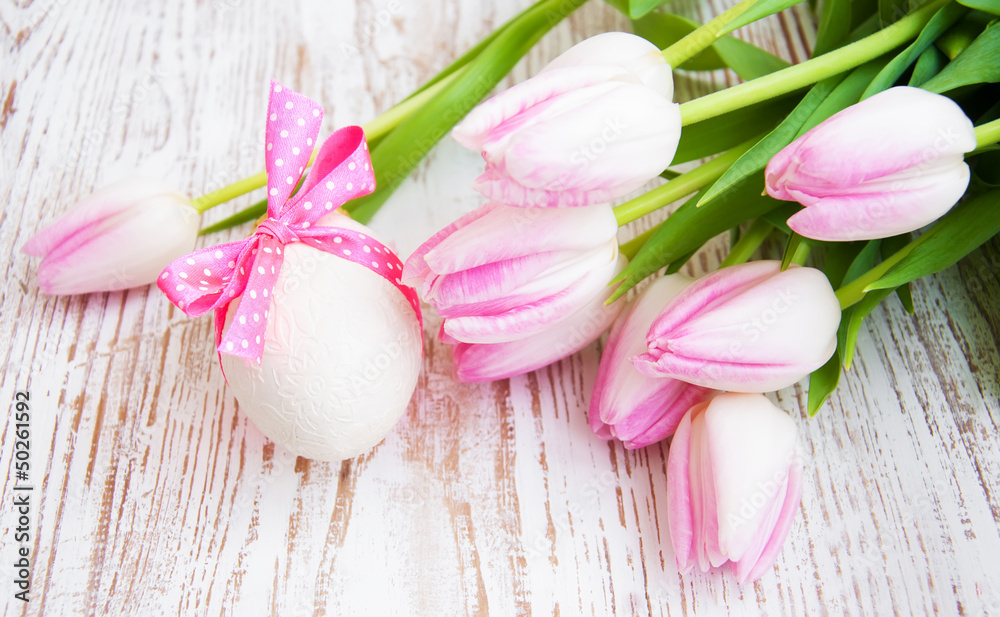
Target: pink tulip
(734, 481)
(501, 274)
(635, 408)
(745, 328)
(888, 165)
(489, 362)
(121, 236)
(592, 126)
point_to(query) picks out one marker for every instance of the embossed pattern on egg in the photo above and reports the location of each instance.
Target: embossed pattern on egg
(342, 354)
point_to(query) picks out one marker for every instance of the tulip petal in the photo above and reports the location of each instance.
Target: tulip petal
(518, 100)
(793, 499)
(753, 446)
(887, 208)
(679, 502)
(620, 49)
(532, 317)
(489, 362)
(506, 232)
(416, 270)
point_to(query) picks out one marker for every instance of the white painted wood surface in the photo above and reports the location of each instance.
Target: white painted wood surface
(155, 496)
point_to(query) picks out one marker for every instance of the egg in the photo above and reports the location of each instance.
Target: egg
(341, 359)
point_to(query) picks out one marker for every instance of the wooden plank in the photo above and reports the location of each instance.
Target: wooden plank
(155, 495)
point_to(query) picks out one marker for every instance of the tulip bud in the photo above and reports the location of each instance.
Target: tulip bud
(595, 124)
(734, 483)
(745, 328)
(121, 236)
(636, 408)
(888, 165)
(489, 362)
(500, 273)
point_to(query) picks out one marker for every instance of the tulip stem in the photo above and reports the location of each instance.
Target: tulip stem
(811, 71)
(703, 37)
(988, 134)
(375, 129)
(853, 292)
(684, 184)
(748, 244)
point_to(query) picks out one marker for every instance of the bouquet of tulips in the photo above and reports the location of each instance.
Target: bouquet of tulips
(874, 163)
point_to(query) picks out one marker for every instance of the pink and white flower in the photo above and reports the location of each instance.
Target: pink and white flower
(595, 124)
(119, 237)
(745, 328)
(888, 165)
(636, 408)
(734, 483)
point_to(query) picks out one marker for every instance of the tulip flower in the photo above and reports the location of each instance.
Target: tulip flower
(595, 124)
(636, 408)
(489, 362)
(745, 328)
(500, 273)
(733, 485)
(888, 165)
(119, 237)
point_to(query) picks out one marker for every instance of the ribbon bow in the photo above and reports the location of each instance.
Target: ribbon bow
(210, 278)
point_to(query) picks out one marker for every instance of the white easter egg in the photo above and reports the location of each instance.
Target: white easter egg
(342, 354)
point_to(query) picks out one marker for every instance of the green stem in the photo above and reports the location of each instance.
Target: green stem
(682, 185)
(375, 129)
(811, 71)
(755, 235)
(852, 293)
(703, 37)
(988, 134)
(631, 248)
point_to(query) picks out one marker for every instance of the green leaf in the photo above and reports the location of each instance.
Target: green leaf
(942, 20)
(928, 65)
(979, 63)
(839, 257)
(823, 382)
(728, 130)
(890, 11)
(794, 240)
(861, 310)
(847, 93)
(635, 9)
(834, 26)
(401, 150)
(890, 246)
(966, 227)
(691, 226)
(749, 61)
(989, 6)
(760, 10)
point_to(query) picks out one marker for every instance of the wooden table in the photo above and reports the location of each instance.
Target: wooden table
(155, 496)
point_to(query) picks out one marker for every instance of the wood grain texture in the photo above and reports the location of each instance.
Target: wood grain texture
(156, 496)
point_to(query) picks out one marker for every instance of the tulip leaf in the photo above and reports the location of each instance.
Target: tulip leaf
(965, 228)
(978, 63)
(398, 154)
(890, 11)
(928, 65)
(989, 6)
(860, 310)
(890, 246)
(823, 382)
(748, 61)
(839, 258)
(759, 10)
(942, 20)
(728, 130)
(834, 26)
(635, 9)
(690, 226)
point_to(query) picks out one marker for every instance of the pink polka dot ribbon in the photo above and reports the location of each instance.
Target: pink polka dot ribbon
(210, 278)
